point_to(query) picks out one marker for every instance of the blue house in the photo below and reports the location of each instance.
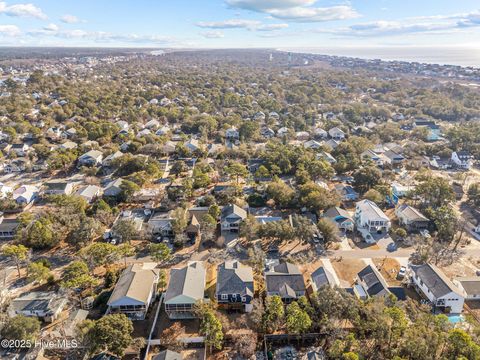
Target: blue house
(234, 285)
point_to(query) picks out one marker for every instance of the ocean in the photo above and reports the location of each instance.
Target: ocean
(431, 55)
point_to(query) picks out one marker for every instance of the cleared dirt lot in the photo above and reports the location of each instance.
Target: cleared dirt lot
(347, 269)
(388, 267)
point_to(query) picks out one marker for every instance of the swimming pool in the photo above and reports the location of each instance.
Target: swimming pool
(454, 319)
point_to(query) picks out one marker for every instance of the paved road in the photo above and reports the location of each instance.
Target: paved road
(365, 253)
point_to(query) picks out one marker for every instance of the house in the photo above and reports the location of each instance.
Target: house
(231, 218)
(185, 289)
(322, 277)
(160, 224)
(370, 219)
(462, 159)
(302, 135)
(379, 159)
(90, 192)
(400, 190)
(20, 149)
(470, 287)
(58, 188)
(346, 192)
(110, 158)
(411, 218)
(393, 158)
(286, 281)
(432, 283)
(232, 133)
(152, 124)
(441, 163)
(68, 145)
(168, 355)
(312, 144)
(332, 143)
(113, 188)
(17, 165)
(193, 145)
(336, 134)
(143, 133)
(320, 133)
(234, 284)
(326, 156)
(44, 305)
(267, 133)
(282, 131)
(90, 158)
(25, 194)
(8, 227)
(164, 130)
(370, 283)
(341, 217)
(135, 290)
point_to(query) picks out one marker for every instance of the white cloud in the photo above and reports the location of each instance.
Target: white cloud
(263, 5)
(213, 34)
(296, 10)
(22, 10)
(9, 30)
(425, 24)
(51, 27)
(252, 25)
(70, 19)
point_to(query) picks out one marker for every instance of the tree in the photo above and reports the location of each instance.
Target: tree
(37, 271)
(245, 344)
(128, 188)
(297, 320)
(303, 228)
(329, 231)
(99, 254)
(38, 234)
(316, 198)
(77, 276)
(179, 220)
(445, 221)
(210, 326)
(249, 228)
(236, 169)
(435, 191)
(17, 253)
(85, 232)
(280, 192)
(366, 178)
(375, 196)
(460, 344)
(273, 314)
(474, 194)
(126, 230)
(159, 252)
(125, 250)
(21, 327)
(112, 333)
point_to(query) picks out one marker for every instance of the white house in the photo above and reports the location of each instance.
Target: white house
(312, 144)
(46, 306)
(336, 133)
(436, 287)
(320, 133)
(89, 192)
(411, 218)
(134, 291)
(90, 158)
(470, 287)
(110, 158)
(231, 218)
(25, 194)
(370, 218)
(58, 188)
(462, 159)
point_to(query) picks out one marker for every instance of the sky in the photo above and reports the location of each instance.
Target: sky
(241, 23)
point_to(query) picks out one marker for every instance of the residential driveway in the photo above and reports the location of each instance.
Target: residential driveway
(383, 240)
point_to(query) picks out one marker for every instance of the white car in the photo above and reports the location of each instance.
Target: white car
(425, 233)
(402, 272)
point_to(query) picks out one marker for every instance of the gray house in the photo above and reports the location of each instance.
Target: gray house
(370, 283)
(185, 289)
(45, 306)
(286, 281)
(234, 284)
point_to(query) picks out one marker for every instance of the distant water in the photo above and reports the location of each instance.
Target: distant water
(430, 55)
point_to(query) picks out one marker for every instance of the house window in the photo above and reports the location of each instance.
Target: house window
(244, 298)
(224, 296)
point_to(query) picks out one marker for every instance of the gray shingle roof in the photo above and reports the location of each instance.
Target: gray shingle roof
(187, 285)
(285, 279)
(234, 278)
(434, 279)
(373, 281)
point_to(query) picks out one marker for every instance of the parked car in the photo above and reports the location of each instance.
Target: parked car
(392, 247)
(401, 272)
(425, 233)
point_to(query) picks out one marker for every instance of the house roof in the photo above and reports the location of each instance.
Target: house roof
(286, 279)
(322, 277)
(233, 209)
(371, 210)
(335, 211)
(135, 283)
(234, 278)
(44, 301)
(95, 154)
(168, 355)
(187, 285)
(373, 281)
(411, 213)
(434, 279)
(471, 284)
